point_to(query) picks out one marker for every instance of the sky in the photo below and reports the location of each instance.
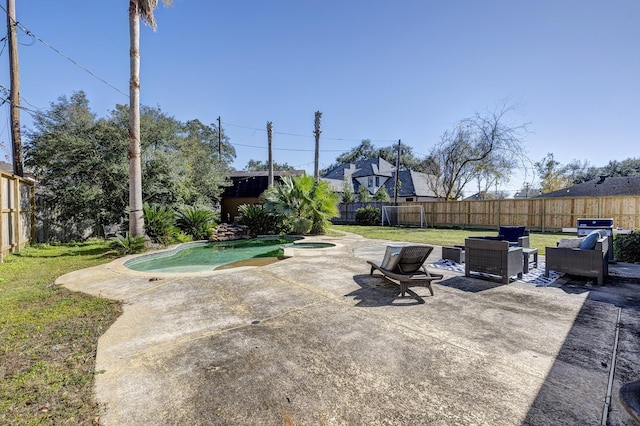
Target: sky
(384, 70)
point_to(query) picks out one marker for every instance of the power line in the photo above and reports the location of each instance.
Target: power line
(306, 136)
(29, 33)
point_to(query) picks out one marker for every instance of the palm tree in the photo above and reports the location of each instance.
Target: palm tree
(138, 9)
(307, 204)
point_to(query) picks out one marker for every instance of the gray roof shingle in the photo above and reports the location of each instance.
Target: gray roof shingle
(602, 187)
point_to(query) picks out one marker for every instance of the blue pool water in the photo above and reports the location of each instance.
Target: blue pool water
(198, 257)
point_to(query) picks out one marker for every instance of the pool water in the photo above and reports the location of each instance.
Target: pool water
(198, 257)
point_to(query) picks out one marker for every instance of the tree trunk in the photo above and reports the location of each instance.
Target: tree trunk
(136, 219)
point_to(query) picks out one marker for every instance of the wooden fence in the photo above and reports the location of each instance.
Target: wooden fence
(537, 214)
(17, 213)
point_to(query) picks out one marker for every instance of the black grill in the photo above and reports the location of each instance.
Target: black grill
(585, 226)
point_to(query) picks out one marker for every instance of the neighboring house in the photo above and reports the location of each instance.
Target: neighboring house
(601, 187)
(527, 193)
(376, 173)
(246, 188)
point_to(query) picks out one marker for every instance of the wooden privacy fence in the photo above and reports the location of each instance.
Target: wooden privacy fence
(537, 214)
(17, 213)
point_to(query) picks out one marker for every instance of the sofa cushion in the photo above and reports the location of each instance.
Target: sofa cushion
(589, 242)
(570, 242)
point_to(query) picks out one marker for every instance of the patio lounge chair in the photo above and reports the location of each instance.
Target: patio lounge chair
(406, 265)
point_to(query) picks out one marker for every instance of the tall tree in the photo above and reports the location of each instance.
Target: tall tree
(476, 145)
(552, 174)
(259, 165)
(366, 151)
(138, 10)
(80, 165)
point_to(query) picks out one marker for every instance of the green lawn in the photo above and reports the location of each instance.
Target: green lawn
(48, 336)
(442, 237)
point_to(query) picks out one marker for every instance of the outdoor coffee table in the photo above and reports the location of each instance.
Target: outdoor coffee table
(526, 252)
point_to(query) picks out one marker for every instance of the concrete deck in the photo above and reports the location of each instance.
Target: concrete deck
(316, 340)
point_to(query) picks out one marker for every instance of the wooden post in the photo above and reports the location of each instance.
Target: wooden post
(14, 76)
(16, 215)
(269, 141)
(1, 218)
(395, 187)
(219, 138)
(316, 168)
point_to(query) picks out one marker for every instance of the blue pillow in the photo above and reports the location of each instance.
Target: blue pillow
(589, 243)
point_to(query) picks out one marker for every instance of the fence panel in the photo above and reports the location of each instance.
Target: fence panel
(16, 213)
(539, 214)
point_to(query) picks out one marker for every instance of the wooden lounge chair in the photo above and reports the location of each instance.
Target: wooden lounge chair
(406, 265)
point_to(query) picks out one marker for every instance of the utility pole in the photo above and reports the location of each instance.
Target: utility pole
(219, 139)
(316, 170)
(14, 75)
(269, 139)
(395, 189)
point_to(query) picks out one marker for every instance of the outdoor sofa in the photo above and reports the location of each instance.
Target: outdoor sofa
(586, 257)
(515, 235)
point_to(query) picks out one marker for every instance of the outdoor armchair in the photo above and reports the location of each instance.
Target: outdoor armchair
(493, 257)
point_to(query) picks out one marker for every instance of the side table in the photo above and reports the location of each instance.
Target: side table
(526, 252)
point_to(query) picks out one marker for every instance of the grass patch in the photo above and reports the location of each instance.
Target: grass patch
(442, 237)
(49, 335)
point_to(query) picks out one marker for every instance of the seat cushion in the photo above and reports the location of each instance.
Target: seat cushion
(570, 242)
(511, 233)
(391, 258)
(589, 242)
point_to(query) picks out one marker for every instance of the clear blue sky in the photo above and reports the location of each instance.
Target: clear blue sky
(381, 70)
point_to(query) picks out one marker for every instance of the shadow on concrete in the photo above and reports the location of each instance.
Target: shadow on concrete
(471, 284)
(620, 292)
(377, 290)
(587, 355)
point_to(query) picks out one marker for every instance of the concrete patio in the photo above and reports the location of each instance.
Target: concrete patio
(314, 339)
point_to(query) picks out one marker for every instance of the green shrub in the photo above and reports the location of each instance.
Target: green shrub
(260, 221)
(196, 222)
(627, 247)
(180, 237)
(128, 244)
(368, 216)
(159, 224)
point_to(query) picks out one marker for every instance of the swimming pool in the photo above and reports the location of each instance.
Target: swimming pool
(204, 256)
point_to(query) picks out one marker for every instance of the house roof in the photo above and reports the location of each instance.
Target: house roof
(411, 183)
(252, 184)
(369, 167)
(602, 187)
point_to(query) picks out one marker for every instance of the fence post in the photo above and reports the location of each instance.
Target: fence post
(16, 215)
(1, 218)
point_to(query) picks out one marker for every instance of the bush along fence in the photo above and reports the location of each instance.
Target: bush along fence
(17, 213)
(537, 214)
